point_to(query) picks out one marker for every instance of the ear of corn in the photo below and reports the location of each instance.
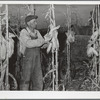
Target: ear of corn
(53, 30)
(49, 47)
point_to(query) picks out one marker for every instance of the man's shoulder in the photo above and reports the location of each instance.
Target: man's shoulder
(23, 31)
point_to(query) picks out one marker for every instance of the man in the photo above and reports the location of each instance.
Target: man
(31, 41)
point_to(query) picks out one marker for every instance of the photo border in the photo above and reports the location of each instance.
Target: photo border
(48, 95)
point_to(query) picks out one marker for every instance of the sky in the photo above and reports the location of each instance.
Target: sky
(82, 12)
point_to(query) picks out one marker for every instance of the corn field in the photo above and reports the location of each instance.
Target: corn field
(60, 71)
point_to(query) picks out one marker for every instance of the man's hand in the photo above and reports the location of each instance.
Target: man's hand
(41, 42)
(47, 37)
(45, 45)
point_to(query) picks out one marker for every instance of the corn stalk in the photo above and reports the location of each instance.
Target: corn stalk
(7, 37)
(5, 66)
(99, 44)
(68, 25)
(0, 42)
(68, 44)
(70, 34)
(1, 80)
(93, 49)
(53, 46)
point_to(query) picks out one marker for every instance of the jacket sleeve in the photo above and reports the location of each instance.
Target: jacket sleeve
(26, 40)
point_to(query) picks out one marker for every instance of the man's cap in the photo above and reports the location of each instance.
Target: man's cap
(30, 17)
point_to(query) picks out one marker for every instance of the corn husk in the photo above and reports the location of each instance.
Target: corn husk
(11, 47)
(70, 37)
(47, 37)
(49, 47)
(54, 44)
(53, 33)
(91, 51)
(94, 36)
(3, 49)
(53, 28)
(3, 52)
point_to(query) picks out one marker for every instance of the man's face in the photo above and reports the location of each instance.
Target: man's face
(32, 23)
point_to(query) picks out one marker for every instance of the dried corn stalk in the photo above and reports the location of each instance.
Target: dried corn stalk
(53, 45)
(0, 48)
(93, 48)
(99, 42)
(70, 38)
(7, 37)
(6, 50)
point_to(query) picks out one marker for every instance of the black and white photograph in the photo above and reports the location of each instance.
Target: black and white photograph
(49, 47)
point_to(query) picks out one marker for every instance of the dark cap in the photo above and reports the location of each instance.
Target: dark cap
(30, 17)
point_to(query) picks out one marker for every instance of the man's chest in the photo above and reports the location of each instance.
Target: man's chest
(33, 35)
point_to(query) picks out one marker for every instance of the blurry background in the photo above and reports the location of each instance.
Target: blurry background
(80, 14)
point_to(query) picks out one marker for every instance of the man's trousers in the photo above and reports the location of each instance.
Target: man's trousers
(31, 70)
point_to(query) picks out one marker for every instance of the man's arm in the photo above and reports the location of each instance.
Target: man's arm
(46, 40)
(26, 40)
